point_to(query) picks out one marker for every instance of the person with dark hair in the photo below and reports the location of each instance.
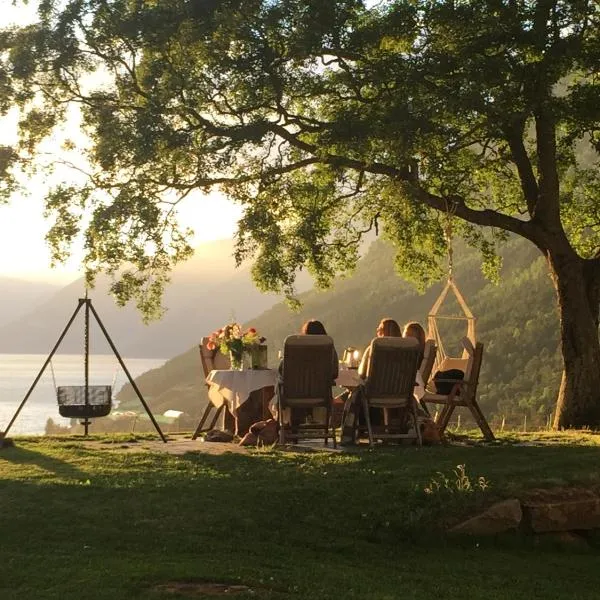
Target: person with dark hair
(313, 327)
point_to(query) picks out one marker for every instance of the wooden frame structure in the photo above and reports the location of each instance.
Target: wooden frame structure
(307, 379)
(86, 410)
(442, 358)
(390, 384)
(463, 393)
(208, 360)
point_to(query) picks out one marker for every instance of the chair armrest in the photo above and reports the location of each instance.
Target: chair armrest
(455, 388)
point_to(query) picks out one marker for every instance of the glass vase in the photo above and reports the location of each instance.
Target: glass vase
(236, 360)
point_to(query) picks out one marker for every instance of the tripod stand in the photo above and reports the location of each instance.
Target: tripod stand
(88, 408)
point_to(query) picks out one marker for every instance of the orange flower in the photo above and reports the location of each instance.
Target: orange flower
(211, 345)
(251, 330)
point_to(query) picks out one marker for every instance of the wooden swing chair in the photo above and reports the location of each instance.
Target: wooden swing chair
(87, 401)
(463, 393)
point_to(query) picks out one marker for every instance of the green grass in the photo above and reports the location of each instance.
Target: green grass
(80, 522)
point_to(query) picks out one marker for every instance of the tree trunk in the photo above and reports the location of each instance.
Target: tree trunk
(577, 284)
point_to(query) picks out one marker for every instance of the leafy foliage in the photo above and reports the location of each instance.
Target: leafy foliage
(323, 119)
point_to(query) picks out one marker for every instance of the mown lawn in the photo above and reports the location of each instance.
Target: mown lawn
(100, 523)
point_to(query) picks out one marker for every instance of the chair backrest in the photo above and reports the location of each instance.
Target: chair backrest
(473, 366)
(393, 367)
(307, 367)
(212, 359)
(429, 354)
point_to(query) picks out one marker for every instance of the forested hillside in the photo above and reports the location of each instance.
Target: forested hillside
(516, 320)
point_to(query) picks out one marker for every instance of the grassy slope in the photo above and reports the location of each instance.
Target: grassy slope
(96, 523)
(516, 321)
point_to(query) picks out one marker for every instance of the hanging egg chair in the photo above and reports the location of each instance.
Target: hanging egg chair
(444, 361)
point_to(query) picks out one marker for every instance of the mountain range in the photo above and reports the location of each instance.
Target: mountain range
(205, 291)
(19, 297)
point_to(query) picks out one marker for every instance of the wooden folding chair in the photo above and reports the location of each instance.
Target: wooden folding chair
(390, 383)
(429, 355)
(307, 381)
(211, 360)
(424, 371)
(463, 393)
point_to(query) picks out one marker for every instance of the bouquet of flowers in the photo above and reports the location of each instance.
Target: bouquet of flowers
(233, 340)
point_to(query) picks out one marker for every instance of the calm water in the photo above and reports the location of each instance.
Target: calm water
(18, 371)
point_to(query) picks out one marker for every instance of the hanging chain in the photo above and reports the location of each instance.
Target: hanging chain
(448, 238)
(86, 349)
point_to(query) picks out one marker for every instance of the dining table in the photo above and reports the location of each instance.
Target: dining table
(249, 395)
(245, 394)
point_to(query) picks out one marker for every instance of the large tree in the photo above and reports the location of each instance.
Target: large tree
(326, 119)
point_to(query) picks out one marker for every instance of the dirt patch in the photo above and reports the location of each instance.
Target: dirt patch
(204, 588)
(178, 444)
(175, 445)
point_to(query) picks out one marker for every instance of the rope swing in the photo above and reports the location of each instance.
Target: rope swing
(443, 361)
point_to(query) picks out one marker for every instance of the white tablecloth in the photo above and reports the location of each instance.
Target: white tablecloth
(348, 378)
(234, 387)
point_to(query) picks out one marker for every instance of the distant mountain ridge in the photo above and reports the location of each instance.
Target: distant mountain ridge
(204, 292)
(20, 296)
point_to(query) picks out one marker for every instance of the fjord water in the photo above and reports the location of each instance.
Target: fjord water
(18, 371)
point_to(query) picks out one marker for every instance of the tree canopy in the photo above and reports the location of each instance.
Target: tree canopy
(325, 120)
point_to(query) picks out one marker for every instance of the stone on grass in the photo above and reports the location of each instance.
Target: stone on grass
(563, 539)
(498, 518)
(561, 509)
(216, 435)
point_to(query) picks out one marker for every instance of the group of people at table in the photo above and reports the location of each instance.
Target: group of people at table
(353, 414)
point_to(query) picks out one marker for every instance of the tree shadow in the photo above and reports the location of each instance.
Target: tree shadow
(23, 456)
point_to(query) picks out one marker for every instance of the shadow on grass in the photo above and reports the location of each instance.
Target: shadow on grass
(27, 457)
(303, 525)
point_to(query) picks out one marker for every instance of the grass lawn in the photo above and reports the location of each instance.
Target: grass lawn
(100, 523)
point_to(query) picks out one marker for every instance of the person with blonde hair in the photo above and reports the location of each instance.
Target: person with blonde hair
(415, 330)
(352, 402)
(387, 328)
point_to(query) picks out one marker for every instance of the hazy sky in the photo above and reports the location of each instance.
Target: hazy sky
(23, 252)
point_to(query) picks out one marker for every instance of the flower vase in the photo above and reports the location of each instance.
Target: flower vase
(236, 360)
(258, 356)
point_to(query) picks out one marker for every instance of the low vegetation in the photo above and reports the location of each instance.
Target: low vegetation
(102, 521)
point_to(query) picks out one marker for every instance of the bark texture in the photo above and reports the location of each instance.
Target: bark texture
(577, 284)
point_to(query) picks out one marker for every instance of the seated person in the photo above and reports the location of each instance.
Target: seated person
(444, 381)
(314, 327)
(415, 330)
(386, 328)
(311, 327)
